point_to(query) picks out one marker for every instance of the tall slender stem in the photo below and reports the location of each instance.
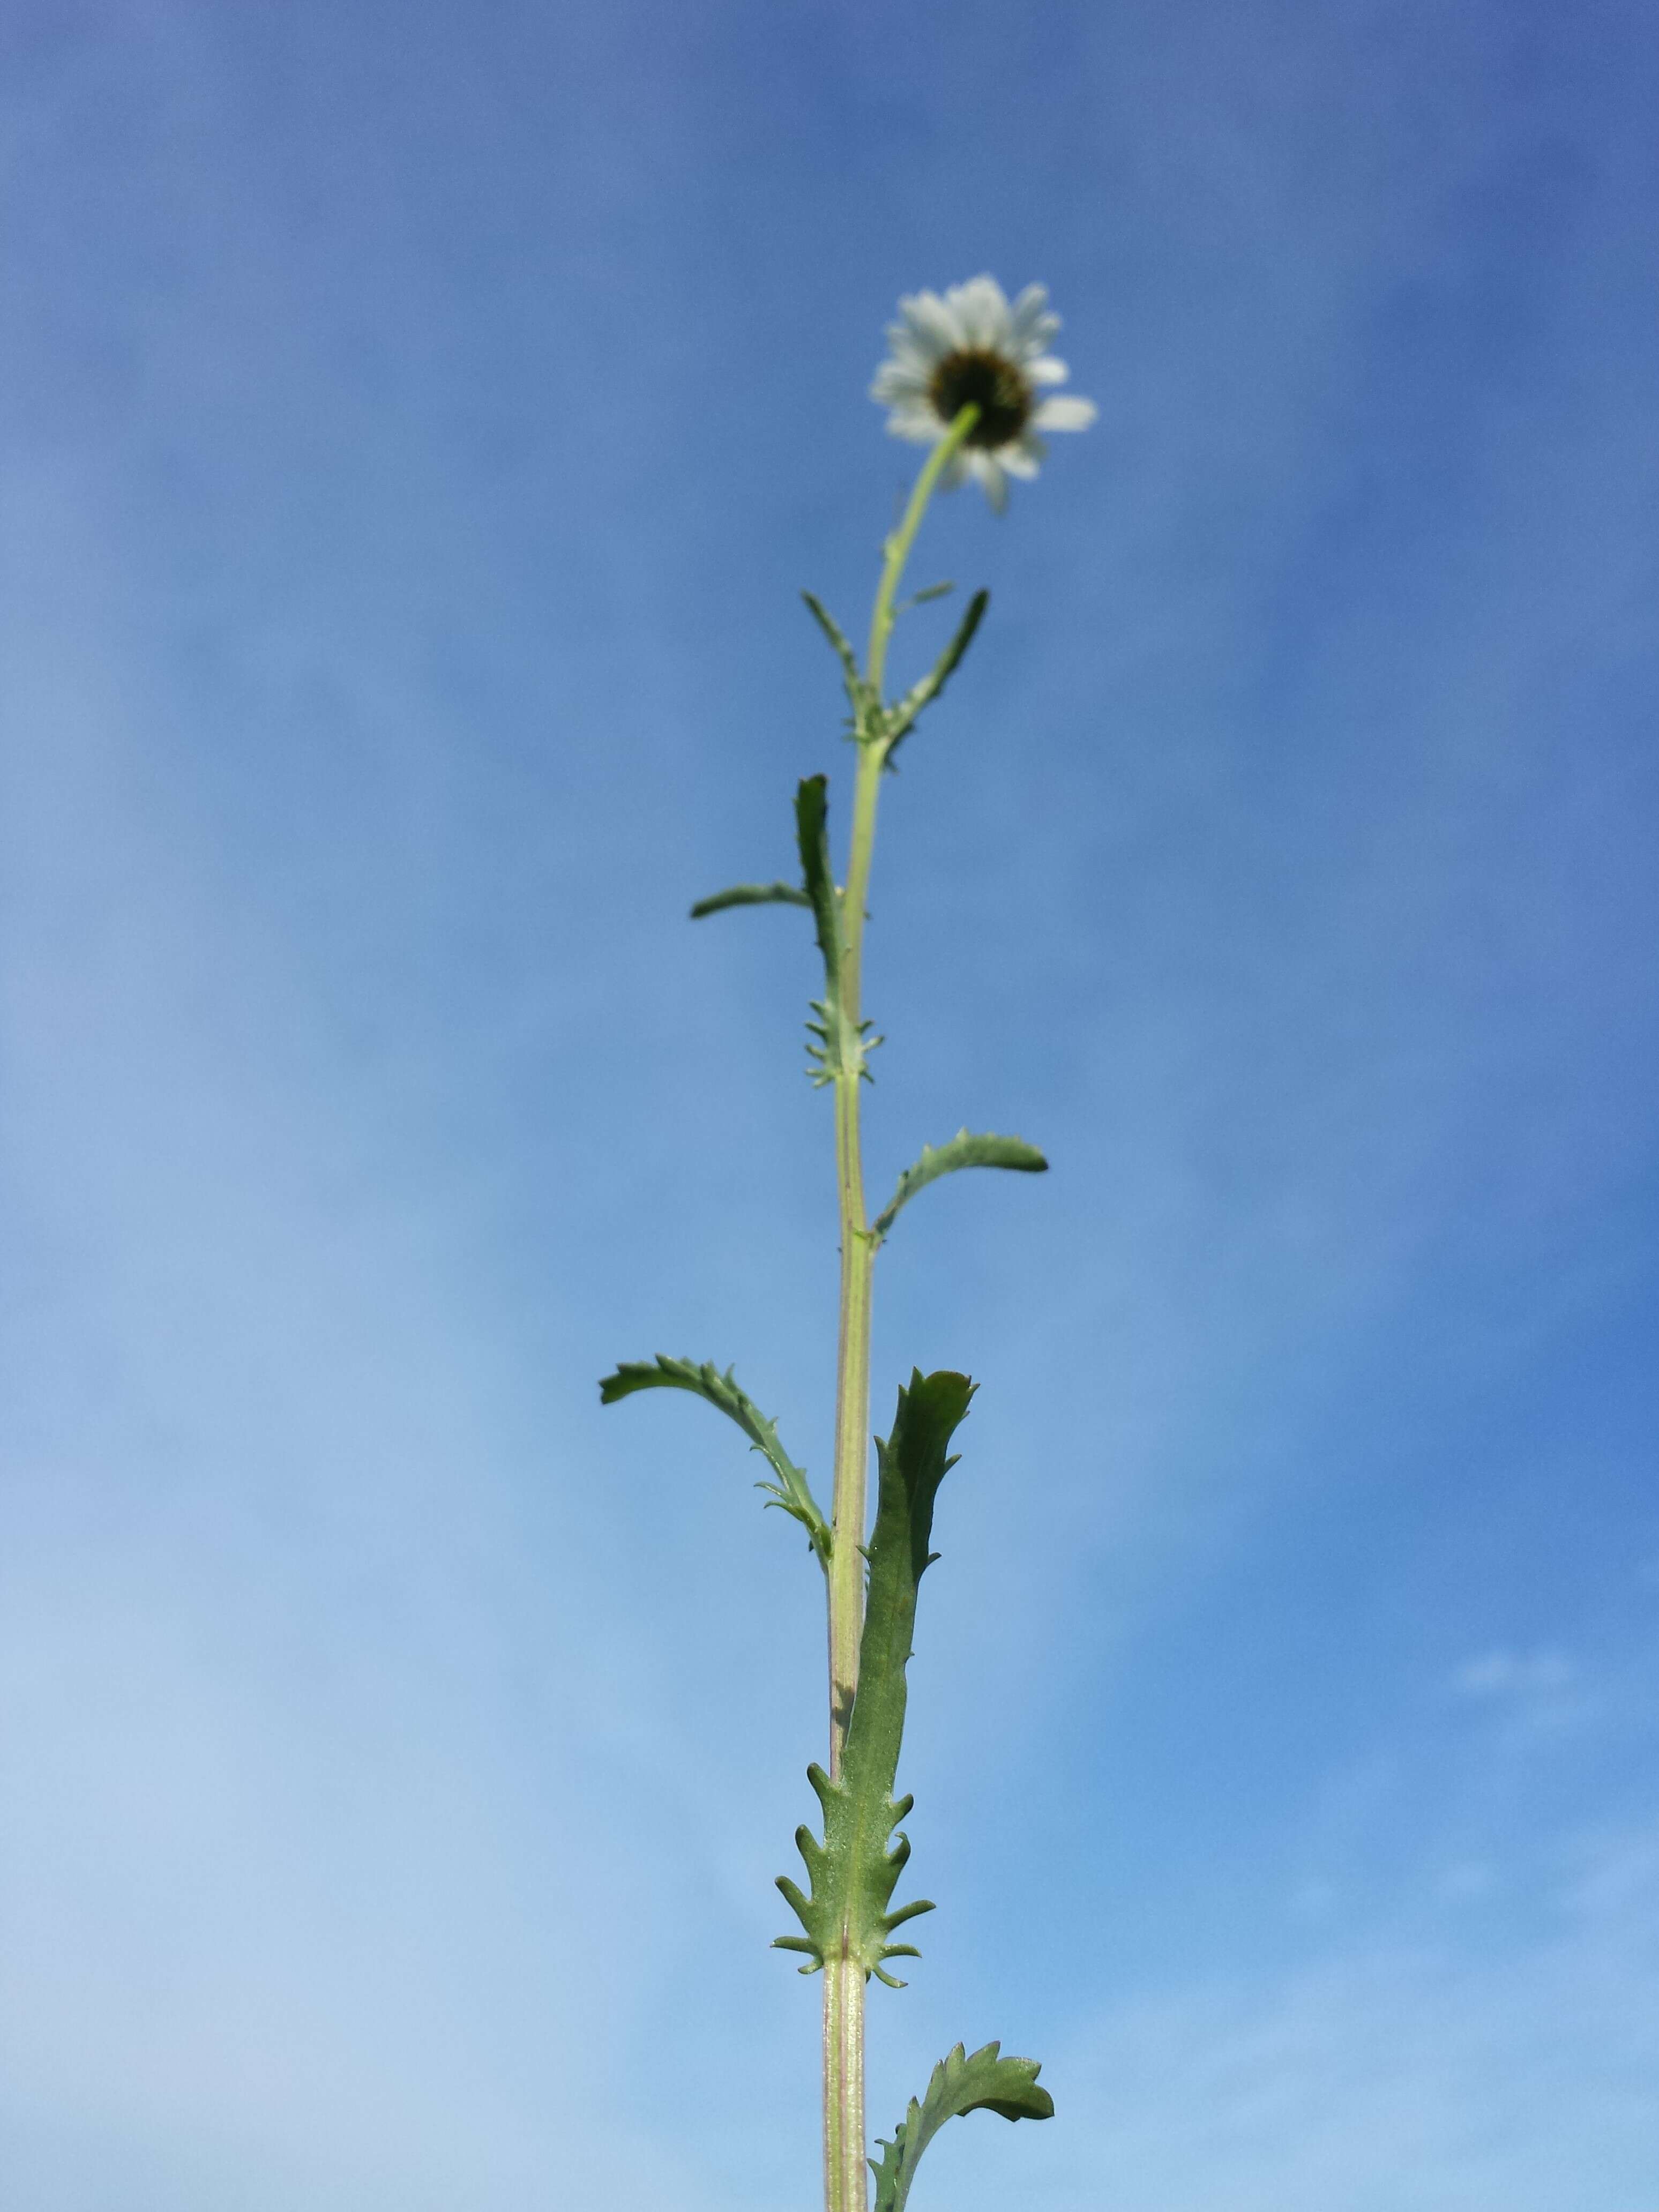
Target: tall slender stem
(849, 1505)
(846, 2186)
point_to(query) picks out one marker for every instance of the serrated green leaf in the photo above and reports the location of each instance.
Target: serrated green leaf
(853, 1870)
(839, 644)
(964, 1150)
(751, 895)
(903, 713)
(841, 1044)
(960, 2084)
(812, 836)
(860, 696)
(791, 1491)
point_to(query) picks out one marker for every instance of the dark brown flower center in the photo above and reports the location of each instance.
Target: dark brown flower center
(989, 382)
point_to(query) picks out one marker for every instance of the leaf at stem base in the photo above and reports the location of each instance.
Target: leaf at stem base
(985, 2082)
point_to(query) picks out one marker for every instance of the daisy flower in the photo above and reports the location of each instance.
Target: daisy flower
(972, 345)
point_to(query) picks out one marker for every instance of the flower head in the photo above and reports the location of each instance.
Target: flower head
(971, 345)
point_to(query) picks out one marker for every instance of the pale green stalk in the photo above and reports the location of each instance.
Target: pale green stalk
(848, 1918)
(846, 2185)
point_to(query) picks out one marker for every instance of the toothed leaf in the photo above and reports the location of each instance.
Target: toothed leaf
(853, 1870)
(841, 1044)
(962, 1151)
(860, 698)
(960, 2084)
(838, 640)
(790, 1491)
(903, 713)
(751, 895)
(813, 834)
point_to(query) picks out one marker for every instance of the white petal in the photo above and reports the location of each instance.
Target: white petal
(1030, 324)
(1023, 456)
(988, 471)
(896, 380)
(1027, 307)
(1048, 370)
(930, 324)
(904, 345)
(1068, 412)
(982, 313)
(920, 427)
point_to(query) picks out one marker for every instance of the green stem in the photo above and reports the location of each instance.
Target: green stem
(846, 2185)
(897, 548)
(848, 1509)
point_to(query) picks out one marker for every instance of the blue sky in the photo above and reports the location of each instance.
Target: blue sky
(418, 423)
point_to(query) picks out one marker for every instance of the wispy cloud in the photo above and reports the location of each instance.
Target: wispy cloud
(1390, 2072)
(1535, 1693)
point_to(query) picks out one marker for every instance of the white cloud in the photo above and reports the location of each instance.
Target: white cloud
(1495, 1673)
(1536, 1693)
